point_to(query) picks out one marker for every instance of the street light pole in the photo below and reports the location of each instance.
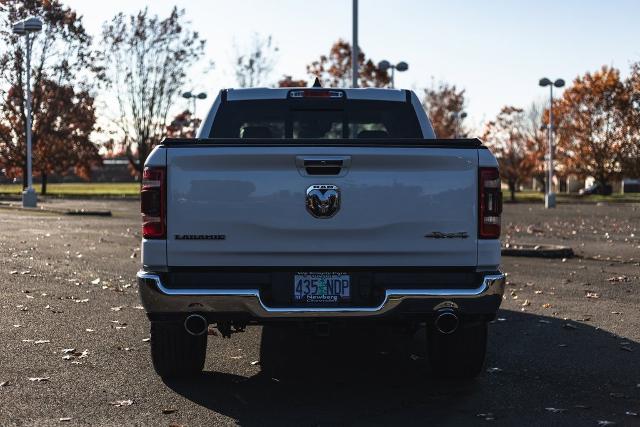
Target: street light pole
(25, 28)
(550, 196)
(550, 200)
(354, 46)
(30, 192)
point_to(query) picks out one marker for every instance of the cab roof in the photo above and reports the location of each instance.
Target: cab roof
(369, 93)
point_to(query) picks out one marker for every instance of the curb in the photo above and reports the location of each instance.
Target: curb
(537, 251)
(72, 196)
(71, 212)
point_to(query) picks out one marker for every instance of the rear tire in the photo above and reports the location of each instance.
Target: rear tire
(174, 352)
(459, 355)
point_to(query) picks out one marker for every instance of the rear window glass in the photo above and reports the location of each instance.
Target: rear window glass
(315, 119)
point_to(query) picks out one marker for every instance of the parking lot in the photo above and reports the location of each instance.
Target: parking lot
(563, 351)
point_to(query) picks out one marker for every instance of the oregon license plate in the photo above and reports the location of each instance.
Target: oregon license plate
(321, 287)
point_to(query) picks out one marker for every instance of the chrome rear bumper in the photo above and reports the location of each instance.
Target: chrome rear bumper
(157, 298)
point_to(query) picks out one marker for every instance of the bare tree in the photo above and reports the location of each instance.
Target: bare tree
(254, 67)
(145, 62)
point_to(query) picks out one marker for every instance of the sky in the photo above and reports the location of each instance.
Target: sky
(497, 50)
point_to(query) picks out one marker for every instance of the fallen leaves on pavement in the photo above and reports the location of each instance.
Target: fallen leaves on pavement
(618, 279)
(119, 403)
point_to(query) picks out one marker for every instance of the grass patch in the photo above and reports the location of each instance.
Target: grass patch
(535, 196)
(78, 189)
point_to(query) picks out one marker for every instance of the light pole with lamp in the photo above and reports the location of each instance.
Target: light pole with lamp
(25, 28)
(189, 95)
(400, 66)
(354, 45)
(550, 196)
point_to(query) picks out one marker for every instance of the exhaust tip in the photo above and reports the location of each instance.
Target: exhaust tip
(196, 324)
(447, 322)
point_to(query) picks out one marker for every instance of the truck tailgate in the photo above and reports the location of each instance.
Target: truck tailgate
(245, 206)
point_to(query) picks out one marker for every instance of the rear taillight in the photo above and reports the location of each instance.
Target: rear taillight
(153, 203)
(489, 203)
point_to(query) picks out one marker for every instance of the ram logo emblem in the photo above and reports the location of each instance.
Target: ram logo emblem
(323, 201)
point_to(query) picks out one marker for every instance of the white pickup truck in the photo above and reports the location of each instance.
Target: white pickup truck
(320, 207)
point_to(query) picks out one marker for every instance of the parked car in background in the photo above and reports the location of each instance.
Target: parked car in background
(596, 188)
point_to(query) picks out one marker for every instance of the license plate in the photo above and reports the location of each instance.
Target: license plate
(321, 287)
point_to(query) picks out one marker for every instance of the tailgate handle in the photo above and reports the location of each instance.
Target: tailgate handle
(334, 165)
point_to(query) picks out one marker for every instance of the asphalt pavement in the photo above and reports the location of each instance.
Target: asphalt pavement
(563, 351)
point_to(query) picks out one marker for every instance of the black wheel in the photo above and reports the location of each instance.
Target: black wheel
(459, 354)
(174, 352)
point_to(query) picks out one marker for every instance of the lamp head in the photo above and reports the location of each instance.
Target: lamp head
(26, 26)
(558, 83)
(545, 82)
(402, 66)
(187, 95)
(202, 95)
(384, 65)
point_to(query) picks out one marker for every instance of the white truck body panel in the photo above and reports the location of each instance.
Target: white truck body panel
(255, 196)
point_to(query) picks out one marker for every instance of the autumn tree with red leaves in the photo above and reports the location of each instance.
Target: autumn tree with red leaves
(631, 150)
(62, 109)
(444, 105)
(288, 81)
(506, 137)
(334, 69)
(183, 125)
(64, 125)
(591, 116)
